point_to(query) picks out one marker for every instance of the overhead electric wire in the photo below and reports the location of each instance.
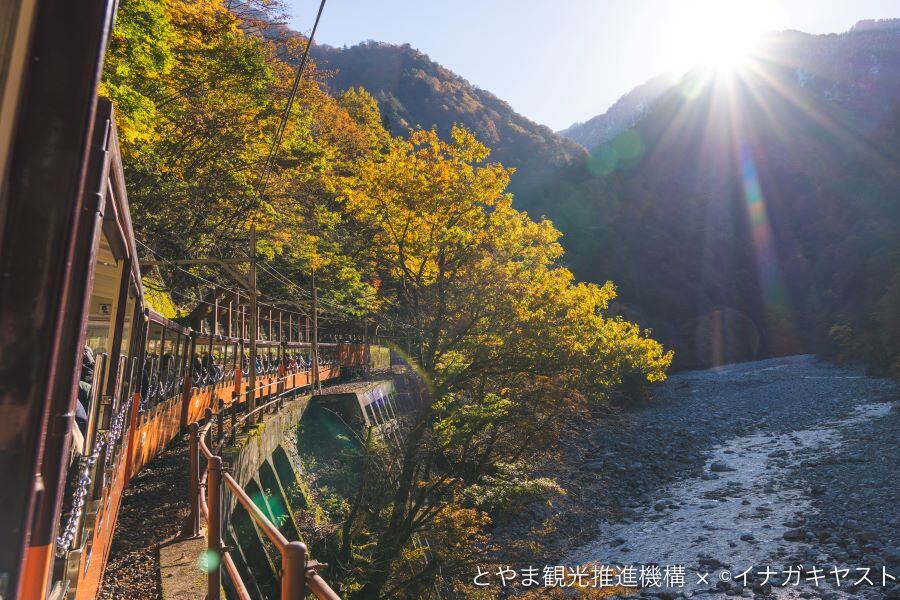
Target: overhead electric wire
(276, 143)
(283, 279)
(212, 283)
(272, 304)
(263, 183)
(226, 288)
(340, 310)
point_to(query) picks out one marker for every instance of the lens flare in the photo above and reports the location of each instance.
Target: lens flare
(208, 561)
(623, 151)
(774, 290)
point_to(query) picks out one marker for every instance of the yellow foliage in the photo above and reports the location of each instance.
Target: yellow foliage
(481, 280)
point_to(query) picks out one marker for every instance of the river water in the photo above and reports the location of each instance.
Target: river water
(737, 514)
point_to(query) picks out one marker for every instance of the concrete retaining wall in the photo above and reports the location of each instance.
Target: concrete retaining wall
(259, 463)
(263, 461)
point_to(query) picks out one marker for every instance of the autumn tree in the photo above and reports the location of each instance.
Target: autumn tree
(503, 339)
(199, 97)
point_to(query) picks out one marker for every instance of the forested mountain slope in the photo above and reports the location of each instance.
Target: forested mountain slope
(625, 113)
(754, 212)
(412, 90)
(741, 214)
(413, 236)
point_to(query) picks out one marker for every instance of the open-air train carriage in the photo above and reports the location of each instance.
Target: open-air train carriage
(93, 424)
(50, 58)
(141, 379)
(93, 383)
(165, 364)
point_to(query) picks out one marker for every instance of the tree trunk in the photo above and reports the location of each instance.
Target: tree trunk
(391, 541)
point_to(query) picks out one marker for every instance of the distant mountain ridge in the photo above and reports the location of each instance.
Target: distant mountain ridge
(414, 91)
(876, 24)
(754, 213)
(810, 57)
(622, 115)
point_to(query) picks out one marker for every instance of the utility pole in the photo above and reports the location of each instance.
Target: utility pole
(254, 318)
(367, 350)
(317, 385)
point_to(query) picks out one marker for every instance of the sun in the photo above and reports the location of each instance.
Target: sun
(717, 33)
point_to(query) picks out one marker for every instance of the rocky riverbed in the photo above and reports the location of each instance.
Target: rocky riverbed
(765, 465)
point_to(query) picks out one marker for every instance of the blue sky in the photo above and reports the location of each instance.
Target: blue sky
(562, 61)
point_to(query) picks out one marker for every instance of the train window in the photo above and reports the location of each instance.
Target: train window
(215, 363)
(103, 312)
(167, 369)
(107, 278)
(127, 343)
(154, 337)
(180, 344)
(169, 343)
(151, 368)
(127, 326)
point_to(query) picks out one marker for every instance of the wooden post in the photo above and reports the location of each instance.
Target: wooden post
(239, 368)
(254, 320)
(233, 415)
(293, 567)
(317, 386)
(220, 421)
(214, 531)
(210, 360)
(192, 526)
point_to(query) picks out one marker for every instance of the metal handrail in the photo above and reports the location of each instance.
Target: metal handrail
(262, 521)
(297, 574)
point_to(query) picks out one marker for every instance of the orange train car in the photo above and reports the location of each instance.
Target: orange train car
(93, 383)
(141, 379)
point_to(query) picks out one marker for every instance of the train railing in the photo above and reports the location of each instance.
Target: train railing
(298, 573)
(97, 477)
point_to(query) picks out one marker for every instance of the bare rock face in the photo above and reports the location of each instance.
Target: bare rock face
(876, 25)
(622, 115)
(855, 68)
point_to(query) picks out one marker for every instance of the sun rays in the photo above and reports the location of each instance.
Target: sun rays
(716, 33)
